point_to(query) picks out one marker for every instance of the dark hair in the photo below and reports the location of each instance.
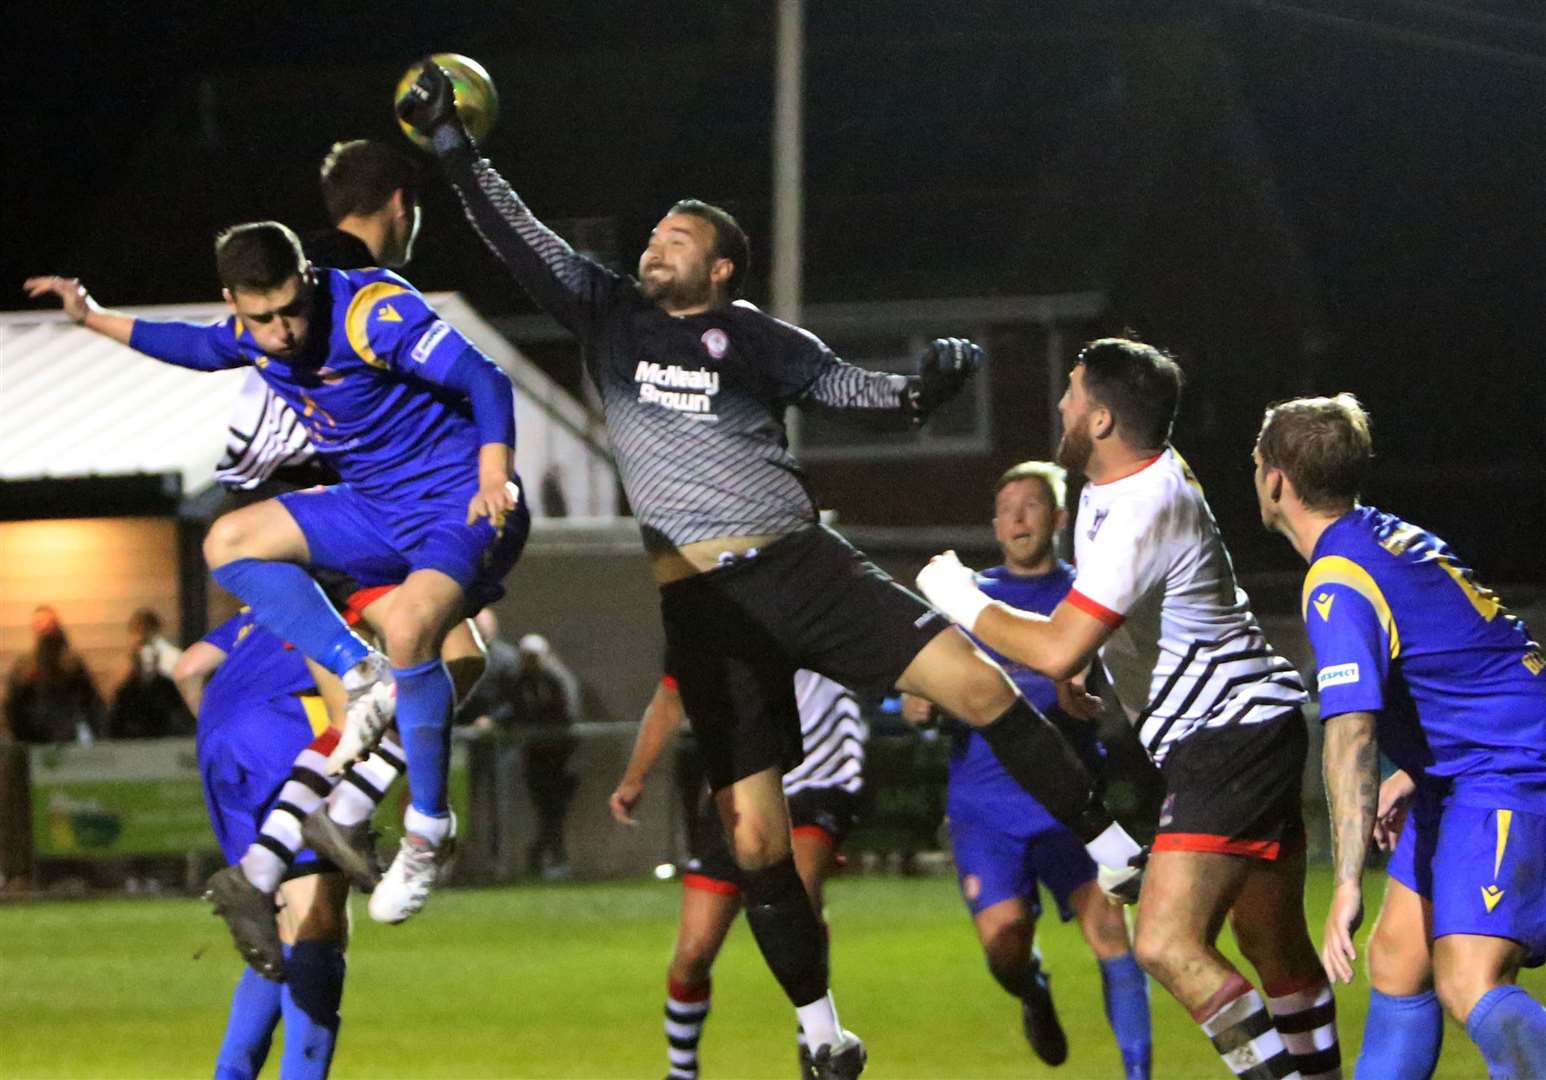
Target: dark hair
(1322, 445)
(1139, 384)
(258, 256)
(146, 618)
(1053, 477)
(729, 238)
(359, 177)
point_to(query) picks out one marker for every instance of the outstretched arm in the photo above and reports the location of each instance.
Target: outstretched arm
(943, 370)
(565, 284)
(1060, 646)
(197, 663)
(661, 720)
(189, 345)
(1350, 764)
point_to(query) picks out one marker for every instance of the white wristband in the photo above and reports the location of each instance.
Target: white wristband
(953, 589)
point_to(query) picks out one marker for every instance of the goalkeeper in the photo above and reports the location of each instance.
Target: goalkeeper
(694, 384)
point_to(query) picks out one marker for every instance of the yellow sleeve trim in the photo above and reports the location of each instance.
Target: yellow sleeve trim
(316, 713)
(1339, 570)
(357, 321)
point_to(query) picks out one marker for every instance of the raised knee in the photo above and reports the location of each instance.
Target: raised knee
(982, 694)
(1459, 991)
(1153, 952)
(410, 637)
(223, 542)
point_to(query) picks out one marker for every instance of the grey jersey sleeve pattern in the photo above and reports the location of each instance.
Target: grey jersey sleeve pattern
(567, 285)
(840, 385)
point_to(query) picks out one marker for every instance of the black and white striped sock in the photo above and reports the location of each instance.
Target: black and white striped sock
(687, 1007)
(1242, 1032)
(366, 782)
(279, 838)
(1306, 1017)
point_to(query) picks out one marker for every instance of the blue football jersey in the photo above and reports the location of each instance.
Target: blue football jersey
(259, 669)
(976, 777)
(368, 385)
(1401, 629)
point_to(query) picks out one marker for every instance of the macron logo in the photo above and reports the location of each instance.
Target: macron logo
(1340, 675)
(432, 337)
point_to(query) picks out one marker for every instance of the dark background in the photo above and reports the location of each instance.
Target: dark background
(1292, 197)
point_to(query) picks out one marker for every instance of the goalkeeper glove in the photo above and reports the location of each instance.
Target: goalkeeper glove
(942, 371)
(429, 107)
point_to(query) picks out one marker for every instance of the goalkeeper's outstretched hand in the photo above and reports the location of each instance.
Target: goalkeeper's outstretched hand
(429, 107)
(942, 371)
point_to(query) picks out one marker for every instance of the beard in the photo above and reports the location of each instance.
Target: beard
(1074, 450)
(689, 289)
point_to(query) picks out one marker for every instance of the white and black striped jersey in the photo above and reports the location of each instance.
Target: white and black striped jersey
(1186, 652)
(694, 405)
(265, 436)
(833, 733)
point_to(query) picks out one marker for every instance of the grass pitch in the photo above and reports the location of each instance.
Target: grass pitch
(567, 981)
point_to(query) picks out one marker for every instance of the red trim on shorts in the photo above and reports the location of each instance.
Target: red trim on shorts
(1207, 844)
(1090, 607)
(669, 682)
(710, 884)
(354, 610)
(818, 832)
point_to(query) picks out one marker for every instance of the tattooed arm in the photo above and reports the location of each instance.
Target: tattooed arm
(1350, 766)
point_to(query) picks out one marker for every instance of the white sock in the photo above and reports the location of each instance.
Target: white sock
(1113, 848)
(819, 1019)
(365, 784)
(263, 868)
(433, 829)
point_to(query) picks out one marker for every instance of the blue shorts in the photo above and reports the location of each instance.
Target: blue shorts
(1483, 870)
(244, 759)
(379, 543)
(994, 864)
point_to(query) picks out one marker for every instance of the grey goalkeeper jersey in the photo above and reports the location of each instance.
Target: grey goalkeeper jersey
(694, 405)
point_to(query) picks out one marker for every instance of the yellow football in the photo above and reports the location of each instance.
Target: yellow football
(477, 102)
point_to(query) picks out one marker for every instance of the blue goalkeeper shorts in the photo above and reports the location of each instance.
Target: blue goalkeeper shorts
(381, 543)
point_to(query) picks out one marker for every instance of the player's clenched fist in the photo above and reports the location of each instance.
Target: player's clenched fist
(943, 369)
(952, 588)
(429, 106)
(72, 294)
(494, 501)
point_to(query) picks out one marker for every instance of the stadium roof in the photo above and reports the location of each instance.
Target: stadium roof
(76, 404)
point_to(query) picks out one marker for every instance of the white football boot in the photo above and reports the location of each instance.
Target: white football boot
(372, 706)
(417, 868)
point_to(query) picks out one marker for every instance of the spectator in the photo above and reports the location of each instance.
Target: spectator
(544, 701)
(491, 704)
(146, 704)
(50, 697)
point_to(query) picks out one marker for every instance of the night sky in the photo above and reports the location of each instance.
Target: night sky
(1293, 197)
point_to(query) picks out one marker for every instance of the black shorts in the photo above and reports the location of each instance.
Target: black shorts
(826, 812)
(736, 635)
(1236, 790)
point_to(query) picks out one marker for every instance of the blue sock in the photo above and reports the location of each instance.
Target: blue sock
(253, 1016)
(1402, 1036)
(313, 989)
(1509, 1027)
(1126, 990)
(424, 722)
(286, 602)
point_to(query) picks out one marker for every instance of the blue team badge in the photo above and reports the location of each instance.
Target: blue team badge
(1100, 516)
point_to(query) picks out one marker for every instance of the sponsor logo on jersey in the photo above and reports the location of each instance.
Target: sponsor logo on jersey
(1338, 675)
(1100, 517)
(431, 338)
(685, 390)
(1491, 894)
(388, 313)
(716, 342)
(1323, 605)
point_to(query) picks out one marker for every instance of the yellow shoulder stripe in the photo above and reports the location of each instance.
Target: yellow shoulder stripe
(1339, 570)
(357, 321)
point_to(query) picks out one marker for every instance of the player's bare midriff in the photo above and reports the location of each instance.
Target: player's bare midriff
(674, 564)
